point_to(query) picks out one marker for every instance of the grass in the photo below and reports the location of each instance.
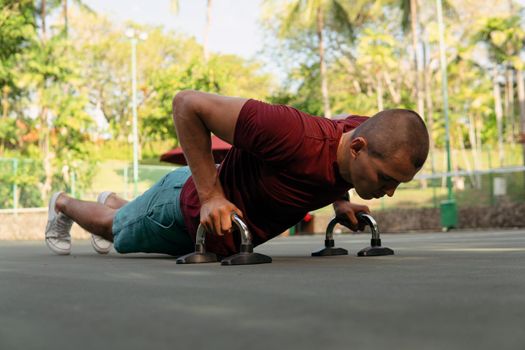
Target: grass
(123, 151)
(117, 176)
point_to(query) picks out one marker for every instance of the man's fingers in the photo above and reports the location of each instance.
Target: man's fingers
(351, 216)
(217, 219)
(239, 212)
(217, 224)
(348, 219)
(226, 223)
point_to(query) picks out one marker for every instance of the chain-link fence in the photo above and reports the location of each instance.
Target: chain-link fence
(470, 189)
(20, 183)
(21, 180)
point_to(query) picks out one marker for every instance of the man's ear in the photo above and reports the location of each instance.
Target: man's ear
(358, 145)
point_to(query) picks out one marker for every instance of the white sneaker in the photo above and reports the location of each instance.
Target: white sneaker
(101, 245)
(58, 228)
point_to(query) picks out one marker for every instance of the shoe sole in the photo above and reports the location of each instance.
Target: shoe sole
(101, 198)
(51, 209)
(56, 250)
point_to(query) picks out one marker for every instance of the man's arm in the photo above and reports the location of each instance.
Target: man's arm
(196, 114)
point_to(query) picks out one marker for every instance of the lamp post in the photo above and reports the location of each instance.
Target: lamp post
(134, 37)
(448, 207)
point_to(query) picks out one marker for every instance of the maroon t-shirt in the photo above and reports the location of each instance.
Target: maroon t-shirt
(282, 165)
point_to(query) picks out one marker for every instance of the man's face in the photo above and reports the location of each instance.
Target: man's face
(373, 177)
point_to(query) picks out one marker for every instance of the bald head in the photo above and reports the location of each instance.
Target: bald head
(396, 130)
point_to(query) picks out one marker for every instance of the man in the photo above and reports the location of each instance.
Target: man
(283, 164)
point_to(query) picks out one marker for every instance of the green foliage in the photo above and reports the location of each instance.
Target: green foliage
(503, 35)
(9, 134)
(372, 65)
(225, 74)
(26, 176)
(17, 29)
(52, 86)
(54, 81)
(305, 97)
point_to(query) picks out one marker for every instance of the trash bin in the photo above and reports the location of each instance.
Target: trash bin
(500, 186)
(449, 214)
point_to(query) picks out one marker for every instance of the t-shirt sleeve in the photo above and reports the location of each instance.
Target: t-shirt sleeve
(273, 133)
(352, 122)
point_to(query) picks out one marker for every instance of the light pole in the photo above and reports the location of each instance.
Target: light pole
(134, 36)
(448, 207)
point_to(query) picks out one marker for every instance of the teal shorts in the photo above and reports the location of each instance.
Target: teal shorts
(153, 222)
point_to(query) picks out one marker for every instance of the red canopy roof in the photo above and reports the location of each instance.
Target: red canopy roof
(219, 149)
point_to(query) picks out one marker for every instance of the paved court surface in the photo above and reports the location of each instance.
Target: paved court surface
(459, 290)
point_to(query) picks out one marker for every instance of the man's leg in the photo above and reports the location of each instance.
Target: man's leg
(109, 199)
(115, 202)
(93, 217)
(151, 223)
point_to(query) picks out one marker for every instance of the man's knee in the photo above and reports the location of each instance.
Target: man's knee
(181, 101)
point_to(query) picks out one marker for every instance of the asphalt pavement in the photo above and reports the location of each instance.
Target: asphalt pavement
(456, 290)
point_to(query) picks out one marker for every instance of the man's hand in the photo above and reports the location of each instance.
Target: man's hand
(216, 215)
(346, 213)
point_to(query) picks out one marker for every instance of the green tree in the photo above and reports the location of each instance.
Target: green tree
(410, 12)
(318, 14)
(166, 63)
(376, 54)
(17, 30)
(504, 38)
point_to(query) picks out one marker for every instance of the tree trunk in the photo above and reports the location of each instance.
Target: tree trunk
(357, 86)
(44, 129)
(472, 139)
(43, 19)
(414, 22)
(466, 160)
(505, 105)
(322, 64)
(207, 31)
(479, 126)
(5, 101)
(427, 71)
(499, 116)
(65, 15)
(474, 147)
(521, 101)
(511, 127)
(396, 95)
(379, 91)
(44, 141)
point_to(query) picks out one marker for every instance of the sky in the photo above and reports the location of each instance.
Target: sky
(234, 24)
(234, 28)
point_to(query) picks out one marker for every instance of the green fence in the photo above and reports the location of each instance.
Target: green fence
(471, 189)
(21, 181)
(20, 185)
